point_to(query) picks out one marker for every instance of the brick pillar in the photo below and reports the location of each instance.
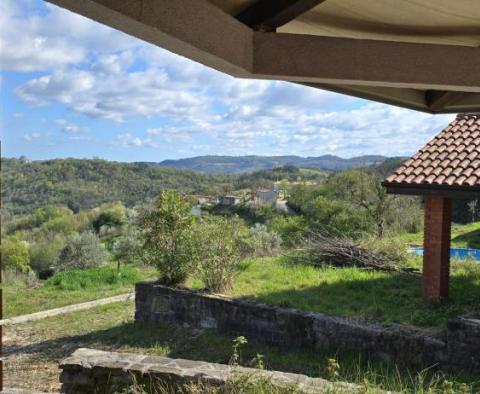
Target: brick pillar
(436, 248)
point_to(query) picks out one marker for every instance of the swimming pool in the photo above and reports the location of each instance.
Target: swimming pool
(458, 253)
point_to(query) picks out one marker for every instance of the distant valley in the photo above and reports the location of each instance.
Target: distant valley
(240, 164)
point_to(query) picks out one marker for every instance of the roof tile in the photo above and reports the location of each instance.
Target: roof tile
(450, 158)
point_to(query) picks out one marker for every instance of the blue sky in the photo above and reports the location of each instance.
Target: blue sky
(71, 87)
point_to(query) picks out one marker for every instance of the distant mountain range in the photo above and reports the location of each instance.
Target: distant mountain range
(239, 164)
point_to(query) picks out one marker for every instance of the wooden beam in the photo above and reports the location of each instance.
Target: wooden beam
(268, 15)
(407, 98)
(437, 100)
(455, 192)
(202, 32)
(192, 28)
(346, 61)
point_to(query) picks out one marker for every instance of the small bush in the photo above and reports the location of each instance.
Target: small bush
(219, 251)
(112, 215)
(169, 238)
(392, 249)
(15, 255)
(290, 228)
(81, 251)
(45, 251)
(31, 280)
(267, 243)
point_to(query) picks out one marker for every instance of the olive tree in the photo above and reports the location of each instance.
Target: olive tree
(81, 251)
(126, 248)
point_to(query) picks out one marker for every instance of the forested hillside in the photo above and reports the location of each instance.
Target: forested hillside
(84, 184)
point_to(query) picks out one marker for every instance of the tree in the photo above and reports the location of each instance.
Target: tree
(112, 216)
(169, 242)
(81, 251)
(15, 255)
(126, 248)
(362, 188)
(283, 188)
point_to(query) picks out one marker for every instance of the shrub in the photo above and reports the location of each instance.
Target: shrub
(15, 255)
(81, 251)
(267, 243)
(112, 215)
(62, 224)
(169, 239)
(45, 252)
(39, 217)
(290, 228)
(219, 249)
(392, 249)
(336, 218)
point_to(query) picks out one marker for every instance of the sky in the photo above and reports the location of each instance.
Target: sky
(71, 87)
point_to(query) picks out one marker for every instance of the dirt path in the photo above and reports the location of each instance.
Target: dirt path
(67, 309)
(33, 349)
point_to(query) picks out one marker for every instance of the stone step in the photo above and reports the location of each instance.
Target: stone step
(87, 370)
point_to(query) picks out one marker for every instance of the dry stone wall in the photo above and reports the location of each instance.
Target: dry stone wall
(456, 348)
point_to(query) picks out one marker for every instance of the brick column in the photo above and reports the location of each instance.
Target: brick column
(436, 248)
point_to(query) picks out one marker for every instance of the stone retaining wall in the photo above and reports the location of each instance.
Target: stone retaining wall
(456, 348)
(93, 371)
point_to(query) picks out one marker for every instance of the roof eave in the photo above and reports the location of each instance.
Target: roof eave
(425, 189)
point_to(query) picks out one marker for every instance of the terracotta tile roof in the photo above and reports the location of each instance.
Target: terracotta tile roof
(452, 158)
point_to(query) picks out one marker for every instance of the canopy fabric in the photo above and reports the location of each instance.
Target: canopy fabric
(417, 21)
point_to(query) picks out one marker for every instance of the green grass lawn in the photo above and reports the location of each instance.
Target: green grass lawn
(36, 348)
(353, 292)
(463, 236)
(72, 287)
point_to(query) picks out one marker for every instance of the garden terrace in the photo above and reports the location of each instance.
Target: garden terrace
(32, 352)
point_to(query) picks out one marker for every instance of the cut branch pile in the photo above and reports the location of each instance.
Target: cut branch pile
(345, 252)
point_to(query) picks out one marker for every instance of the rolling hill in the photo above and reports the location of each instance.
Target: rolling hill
(239, 164)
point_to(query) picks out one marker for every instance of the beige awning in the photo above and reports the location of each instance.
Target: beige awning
(420, 54)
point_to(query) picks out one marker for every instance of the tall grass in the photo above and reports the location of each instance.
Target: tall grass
(367, 381)
(93, 278)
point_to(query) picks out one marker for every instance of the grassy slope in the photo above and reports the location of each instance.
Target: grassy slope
(72, 287)
(387, 298)
(34, 349)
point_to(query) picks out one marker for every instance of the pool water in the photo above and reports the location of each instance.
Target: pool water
(458, 253)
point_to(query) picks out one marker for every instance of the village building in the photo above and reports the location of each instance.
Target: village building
(229, 200)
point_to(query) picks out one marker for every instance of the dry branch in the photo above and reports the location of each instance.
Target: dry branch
(345, 252)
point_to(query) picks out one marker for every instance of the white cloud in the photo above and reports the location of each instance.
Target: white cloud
(127, 140)
(32, 136)
(171, 134)
(35, 41)
(116, 96)
(69, 127)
